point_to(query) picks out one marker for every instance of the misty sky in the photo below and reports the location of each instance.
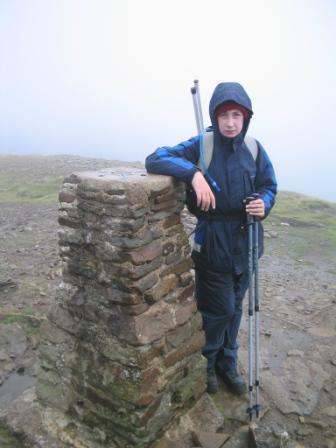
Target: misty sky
(111, 79)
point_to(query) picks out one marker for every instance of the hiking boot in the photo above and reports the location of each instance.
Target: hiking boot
(234, 381)
(212, 383)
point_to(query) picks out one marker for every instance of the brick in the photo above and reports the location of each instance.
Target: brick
(165, 197)
(150, 411)
(135, 310)
(187, 293)
(136, 272)
(164, 205)
(171, 221)
(178, 230)
(186, 278)
(154, 323)
(112, 199)
(173, 257)
(149, 386)
(141, 285)
(178, 268)
(146, 253)
(65, 196)
(178, 336)
(115, 296)
(193, 345)
(162, 288)
(185, 311)
(155, 193)
(69, 222)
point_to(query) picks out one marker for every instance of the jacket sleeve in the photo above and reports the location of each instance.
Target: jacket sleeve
(179, 161)
(265, 182)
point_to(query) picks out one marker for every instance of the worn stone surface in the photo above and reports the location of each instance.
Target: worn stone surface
(296, 393)
(207, 439)
(204, 417)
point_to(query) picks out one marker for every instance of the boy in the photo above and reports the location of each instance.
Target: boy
(220, 253)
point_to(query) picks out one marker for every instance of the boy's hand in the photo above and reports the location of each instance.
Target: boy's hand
(205, 197)
(256, 208)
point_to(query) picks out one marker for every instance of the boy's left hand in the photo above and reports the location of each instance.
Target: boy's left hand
(256, 208)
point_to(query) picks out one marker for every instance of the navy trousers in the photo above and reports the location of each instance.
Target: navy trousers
(219, 298)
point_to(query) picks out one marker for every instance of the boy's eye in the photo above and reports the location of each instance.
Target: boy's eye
(235, 114)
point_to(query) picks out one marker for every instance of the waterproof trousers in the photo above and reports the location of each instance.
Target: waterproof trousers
(219, 298)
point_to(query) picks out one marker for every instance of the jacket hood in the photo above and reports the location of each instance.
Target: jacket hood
(229, 91)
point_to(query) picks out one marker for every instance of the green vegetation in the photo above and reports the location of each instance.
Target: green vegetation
(306, 228)
(29, 322)
(37, 178)
(10, 318)
(7, 440)
(27, 190)
(303, 211)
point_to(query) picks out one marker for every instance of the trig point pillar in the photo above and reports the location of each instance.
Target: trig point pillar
(120, 352)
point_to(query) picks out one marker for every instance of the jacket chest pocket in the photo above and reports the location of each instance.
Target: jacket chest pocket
(249, 183)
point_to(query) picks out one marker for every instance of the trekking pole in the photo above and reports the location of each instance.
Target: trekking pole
(250, 222)
(198, 123)
(197, 107)
(253, 307)
(256, 319)
(199, 104)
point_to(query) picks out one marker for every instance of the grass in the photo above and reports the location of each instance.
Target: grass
(7, 439)
(20, 190)
(26, 319)
(312, 226)
(37, 178)
(304, 211)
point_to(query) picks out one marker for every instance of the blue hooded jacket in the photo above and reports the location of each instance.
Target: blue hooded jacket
(223, 240)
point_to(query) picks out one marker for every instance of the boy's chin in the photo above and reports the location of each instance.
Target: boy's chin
(230, 134)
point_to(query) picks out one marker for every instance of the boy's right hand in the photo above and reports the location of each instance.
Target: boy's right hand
(205, 196)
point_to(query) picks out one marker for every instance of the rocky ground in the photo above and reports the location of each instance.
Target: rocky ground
(298, 317)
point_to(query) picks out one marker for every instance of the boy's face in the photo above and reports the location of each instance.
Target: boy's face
(230, 123)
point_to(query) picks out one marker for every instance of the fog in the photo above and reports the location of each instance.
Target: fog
(111, 79)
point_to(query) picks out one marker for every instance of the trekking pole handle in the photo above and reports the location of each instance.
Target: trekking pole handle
(252, 197)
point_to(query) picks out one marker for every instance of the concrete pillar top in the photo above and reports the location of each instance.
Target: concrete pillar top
(122, 177)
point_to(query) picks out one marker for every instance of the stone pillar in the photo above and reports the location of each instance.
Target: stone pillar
(120, 351)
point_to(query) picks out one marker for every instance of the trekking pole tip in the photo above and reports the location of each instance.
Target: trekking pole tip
(251, 437)
(195, 81)
(257, 408)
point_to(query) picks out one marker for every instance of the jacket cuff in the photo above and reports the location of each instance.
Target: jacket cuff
(190, 174)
